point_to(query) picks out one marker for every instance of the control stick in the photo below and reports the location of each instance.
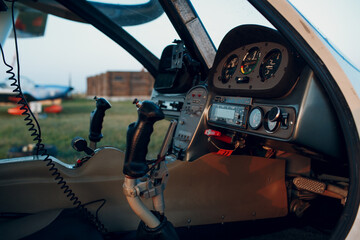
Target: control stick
(96, 121)
(137, 183)
(138, 138)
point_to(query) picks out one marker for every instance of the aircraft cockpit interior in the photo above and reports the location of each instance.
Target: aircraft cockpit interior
(261, 140)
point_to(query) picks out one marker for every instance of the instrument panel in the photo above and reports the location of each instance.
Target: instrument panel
(259, 86)
(253, 72)
(192, 111)
(257, 66)
(244, 115)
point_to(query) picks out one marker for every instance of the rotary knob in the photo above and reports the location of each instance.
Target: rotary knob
(272, 119)
(274, 114)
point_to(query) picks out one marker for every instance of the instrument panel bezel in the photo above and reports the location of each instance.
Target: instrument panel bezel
(240, 40)
(255, 82)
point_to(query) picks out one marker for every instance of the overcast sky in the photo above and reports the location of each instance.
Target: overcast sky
(71, 50)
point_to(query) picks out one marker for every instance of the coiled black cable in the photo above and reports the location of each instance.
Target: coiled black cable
(35, 130)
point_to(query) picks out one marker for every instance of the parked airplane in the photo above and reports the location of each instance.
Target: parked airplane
(263, 140)
(33, 91)
(29, 24)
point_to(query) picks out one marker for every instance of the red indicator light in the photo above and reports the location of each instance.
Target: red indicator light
(210, 132)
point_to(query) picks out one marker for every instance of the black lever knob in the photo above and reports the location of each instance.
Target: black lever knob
(97, 118)
(80, 145)
(274, 114)
(138, 138)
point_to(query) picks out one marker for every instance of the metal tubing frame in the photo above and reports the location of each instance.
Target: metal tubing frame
(138, 206)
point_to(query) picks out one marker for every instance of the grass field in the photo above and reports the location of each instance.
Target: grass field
(74, 120)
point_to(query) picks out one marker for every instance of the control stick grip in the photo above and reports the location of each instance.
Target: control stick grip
(97, 118)
(138, 138)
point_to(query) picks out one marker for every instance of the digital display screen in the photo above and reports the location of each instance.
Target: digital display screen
(229, 115)
(225, 113)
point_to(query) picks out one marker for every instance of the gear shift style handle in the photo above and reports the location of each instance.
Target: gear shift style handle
(96, 120)
(138, 138)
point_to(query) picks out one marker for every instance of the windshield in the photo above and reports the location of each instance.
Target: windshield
(70, 52)
(164, 33)
(233, 13)
(81, 51)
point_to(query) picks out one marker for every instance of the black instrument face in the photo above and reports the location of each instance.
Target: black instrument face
(250, 60)
(270, 64)
(229, 68)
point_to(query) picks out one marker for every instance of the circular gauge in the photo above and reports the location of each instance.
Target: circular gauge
(250, 60)
(255, 118)
(270, 64)
(229, 68)
(270, 125)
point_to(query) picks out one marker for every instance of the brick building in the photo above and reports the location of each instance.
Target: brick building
(120, 84)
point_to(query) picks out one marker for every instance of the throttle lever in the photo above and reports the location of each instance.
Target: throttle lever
(96, 120)
(138, 138)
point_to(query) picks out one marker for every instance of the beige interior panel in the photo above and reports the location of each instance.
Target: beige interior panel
(211, 189)
(217, 189)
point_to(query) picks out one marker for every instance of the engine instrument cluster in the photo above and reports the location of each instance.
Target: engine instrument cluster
(257, 66)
